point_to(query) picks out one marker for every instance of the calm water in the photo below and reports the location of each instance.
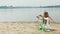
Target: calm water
(27, 14)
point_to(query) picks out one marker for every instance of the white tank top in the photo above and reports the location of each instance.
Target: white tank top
(47, 19)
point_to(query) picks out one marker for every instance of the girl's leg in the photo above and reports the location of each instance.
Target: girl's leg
(46, 26)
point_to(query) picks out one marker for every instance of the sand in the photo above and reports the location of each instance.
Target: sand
(25, 28)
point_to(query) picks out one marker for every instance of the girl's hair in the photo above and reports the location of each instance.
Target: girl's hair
(46, 14)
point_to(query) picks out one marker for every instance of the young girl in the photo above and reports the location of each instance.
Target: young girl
(46, 20)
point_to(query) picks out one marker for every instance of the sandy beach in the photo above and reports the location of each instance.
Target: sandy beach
(25, 28)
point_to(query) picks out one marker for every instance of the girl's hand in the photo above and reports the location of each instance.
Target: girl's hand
(41, 15)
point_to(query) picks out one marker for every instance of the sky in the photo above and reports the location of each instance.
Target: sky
(29, 2)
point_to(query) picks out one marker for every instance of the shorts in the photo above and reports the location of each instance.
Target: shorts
(47, 26)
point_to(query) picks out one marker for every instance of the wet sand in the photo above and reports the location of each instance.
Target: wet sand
(25, 28)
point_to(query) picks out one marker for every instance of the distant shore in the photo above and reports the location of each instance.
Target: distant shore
(56, 6)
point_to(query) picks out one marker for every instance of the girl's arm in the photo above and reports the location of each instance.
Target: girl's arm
(51, 18)
(49, 21)
(39, 16)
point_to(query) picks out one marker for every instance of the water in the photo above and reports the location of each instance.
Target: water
(28, 14)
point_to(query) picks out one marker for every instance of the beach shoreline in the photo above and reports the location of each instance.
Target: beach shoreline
(25, 28)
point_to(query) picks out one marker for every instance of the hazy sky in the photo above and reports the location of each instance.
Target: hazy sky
(29, 2)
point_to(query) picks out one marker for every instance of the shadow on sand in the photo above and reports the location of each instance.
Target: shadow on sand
(53, 30)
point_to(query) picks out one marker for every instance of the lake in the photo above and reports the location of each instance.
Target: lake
(27, 14)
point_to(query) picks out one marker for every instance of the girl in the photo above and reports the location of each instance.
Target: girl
(46, 20)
